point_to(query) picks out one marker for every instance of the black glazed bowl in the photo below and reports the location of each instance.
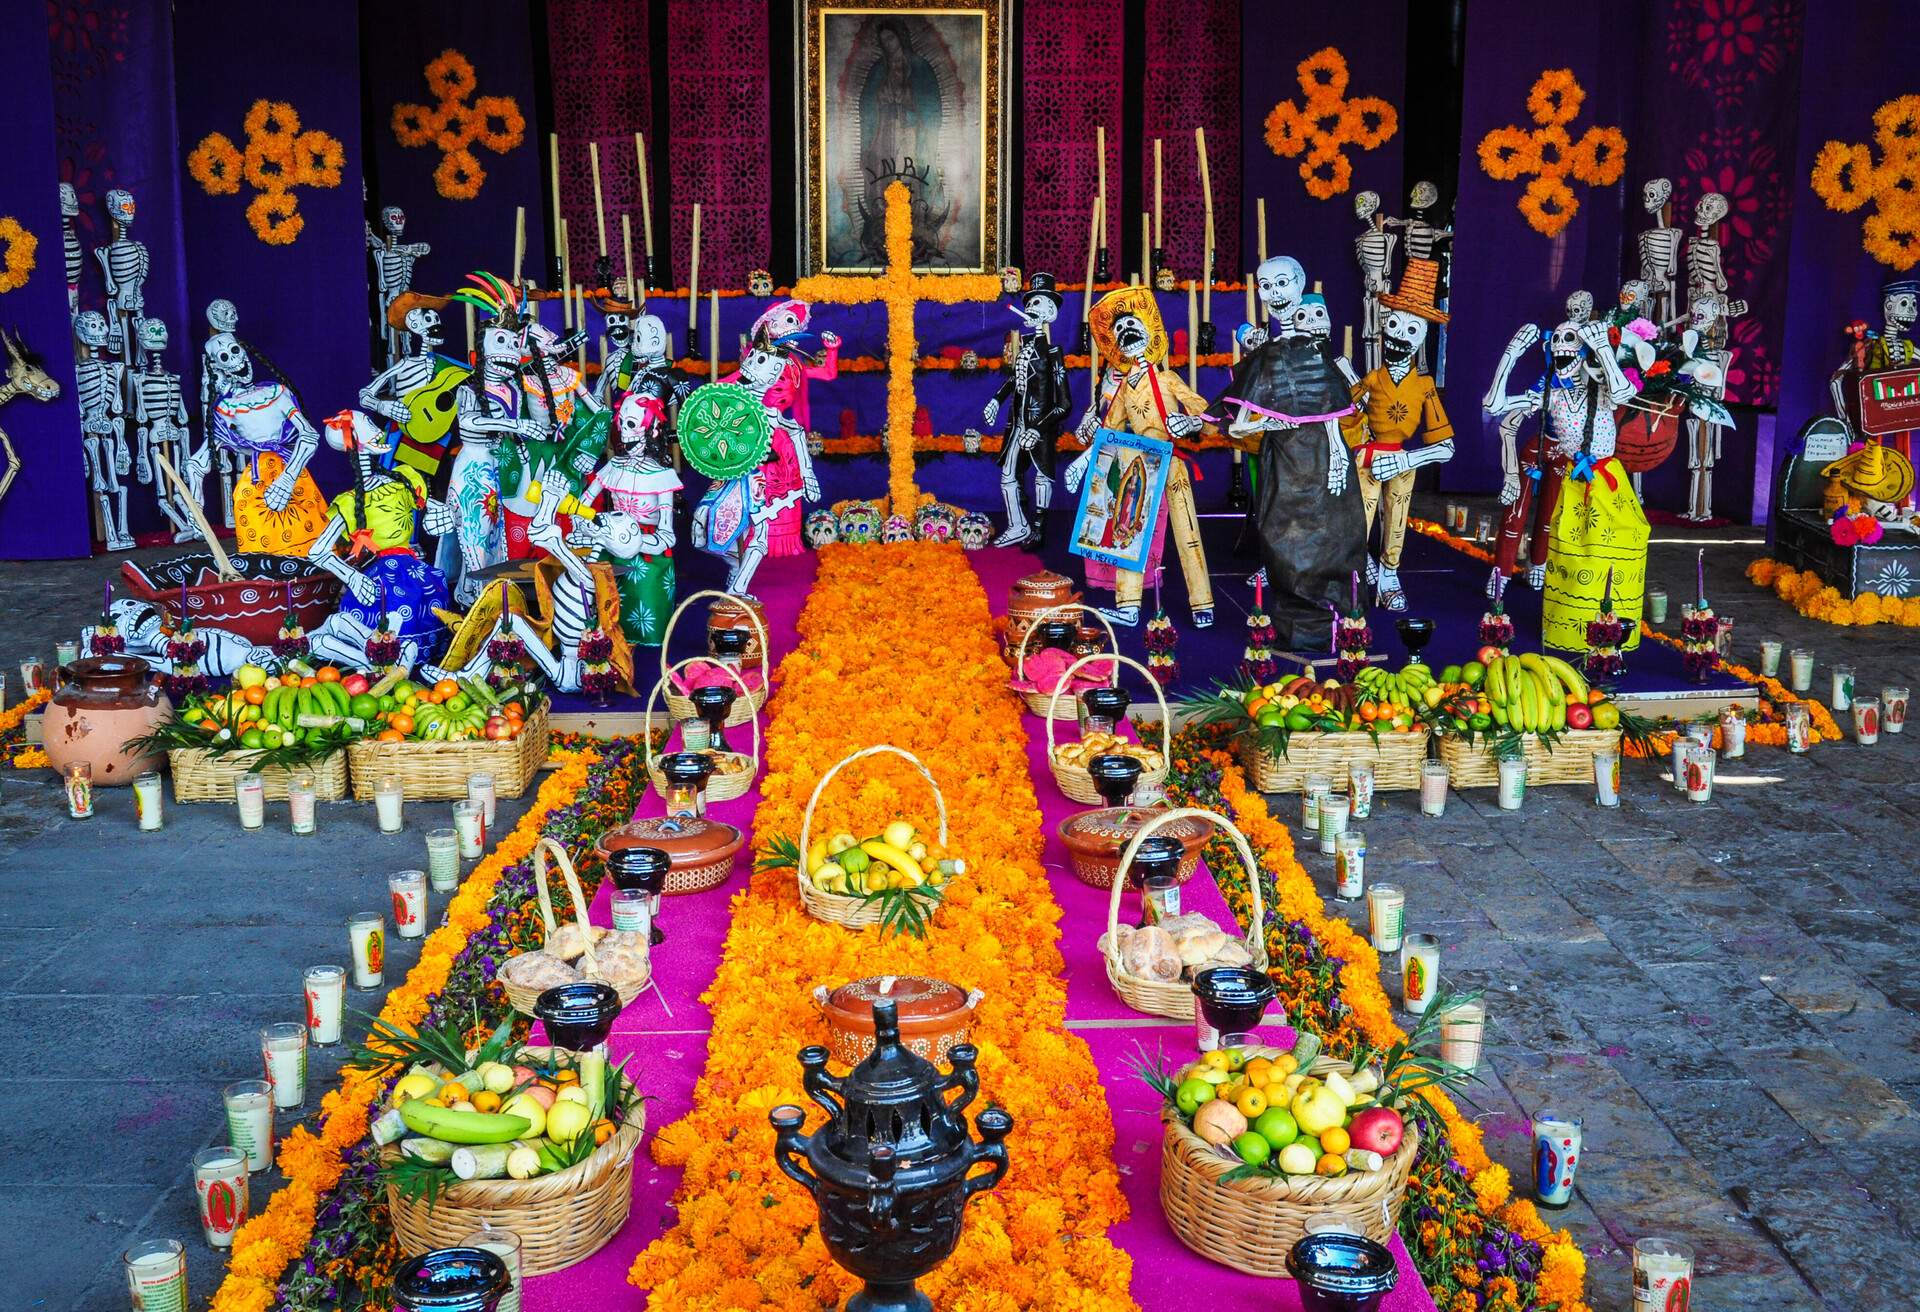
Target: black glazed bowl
(1341, 1273)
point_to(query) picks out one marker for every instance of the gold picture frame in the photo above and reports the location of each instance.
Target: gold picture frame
(906, 89)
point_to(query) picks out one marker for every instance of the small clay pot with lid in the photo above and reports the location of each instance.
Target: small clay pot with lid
(701, 851)
(1095, 839)
(934, 1015)
(102, 703)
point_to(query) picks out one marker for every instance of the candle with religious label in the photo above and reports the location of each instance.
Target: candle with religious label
(1419, 971)
(1799, 728)
(470, 823)
(1893, 708)
(32, 677)
(283, 1051)
(302, 793)
(1386, 917)
(1770, 657)
(367, 937)
(220, 1181)
(408, 889)
(1662, 1275)
(1677, 761)
(1556, 1155)
(1841, 681)
(148, 805)
(1334, 811)
(157, 1275)
(249, 1106)
(1606, 779)
(80, 790)
(1701, 763)
(1350, 865)
(326, 990)
(1312, 790)
(443, 860)
(1513, 782)
(480, 789)
(1866, 720)
(250, 795)
(1433, 787)
(1360, 788)
(1733, 734)
(389, 797)
(632, 911)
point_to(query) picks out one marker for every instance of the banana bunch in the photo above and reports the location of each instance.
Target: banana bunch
(896, 858)
(1530, 692)
(439, 723)
(1407, 686)
(286, 704)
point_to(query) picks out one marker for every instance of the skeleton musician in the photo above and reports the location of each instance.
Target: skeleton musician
(1036, 383)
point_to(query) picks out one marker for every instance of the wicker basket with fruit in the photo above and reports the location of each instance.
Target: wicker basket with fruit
(733, 772)
(1069, 760)
(699, 669)
(1038, 679)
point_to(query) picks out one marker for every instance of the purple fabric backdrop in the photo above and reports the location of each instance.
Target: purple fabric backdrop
(1372, 34)
(721, 150)
(305, 303)
(1505, 273)
(113, 114)
(1193, 80)
(602, 63)
(45, 513)
(497, 40)
(1071, 60)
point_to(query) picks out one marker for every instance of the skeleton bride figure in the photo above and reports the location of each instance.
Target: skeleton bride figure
(639, 482)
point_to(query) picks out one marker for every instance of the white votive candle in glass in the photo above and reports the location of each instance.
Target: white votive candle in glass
(1334, 811)
(1386, 917)
(157, 1275)
(1770, 657)
(302, 799)
(1893, 709)
(1312, 789)
(148, 804)
(326, 990)
(283, 1051)
(1800, 667)
(1662, 1275)
(480, 789)
(367, 937)
(388, 804)
(1840, 677)
(250, 795)
(1419, 971)
(80, 791)
(408, 890)
(1866, 720)
(443, 860)
(1513, 782)
(505, 1245)
(1433, 788)
(1701, 763)
(249, 1105)
(1463, 1030)
(470, 823)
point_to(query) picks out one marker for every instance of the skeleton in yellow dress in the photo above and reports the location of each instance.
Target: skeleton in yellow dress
(277, 508)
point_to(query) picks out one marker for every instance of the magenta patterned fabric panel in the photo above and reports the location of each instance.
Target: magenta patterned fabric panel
(603, 92)
(1193, 80)
(1724, 121)
(721, 133)
(1071, 81)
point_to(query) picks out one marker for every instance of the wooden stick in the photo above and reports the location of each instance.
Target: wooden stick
(1206, 197)
(1159, 214)
(1260, 226)
(580, 321)
(220, 559)
(1252, 308)
(693, 272)
(1146, 249)
(713, 336)
(1100, 148)
(634, 296)
(1236, 336)
(1093, 241)
(646, 195)
(1193, 339)
(519, 241)
(599, 210)
(472, 341)
(1346, 342)
(566, 279)
(559, 224)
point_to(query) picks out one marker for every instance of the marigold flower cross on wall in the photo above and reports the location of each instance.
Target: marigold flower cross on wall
(1551, 156)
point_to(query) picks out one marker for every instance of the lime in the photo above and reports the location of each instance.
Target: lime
(1480, 720)
(1299, 720)
(364, 706)
(252, 738)
(405, 690)
(1277, 1126)
(1253, 1148)
(1472, 673)
(1271, 718)
(387, 702)
(1191, 1095)
(457, 702)
(853, 860)
(1451, 674)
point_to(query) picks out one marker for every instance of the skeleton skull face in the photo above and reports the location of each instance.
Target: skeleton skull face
(613, 531)
(975, 530)
(229, 360)
(222, 316)
(1038, 311)
(619, 327)
(971, 441)
(1404, 335)
(969, 361)
(354, 432)
(500, 349)
(141, 624)
(120, 206)
(1282, 282)
(822, 529)
(934, 523)
(1010, 280)
(1566, 350)
(90, 326)
(650, 340)
(152, 335)
(1423, 196)
(1656, 192)
(394, 220)
(1710, 209)
(1366, 205)
(860, 523)
(424, 323)
(1130, 334)
(761, 369)
(638, 423)
(786, 318)
(1580, 307)
(1900, 306)
(1311, 319)
(759, 283)
(1705, 312)
(69, 201)
(896, 529)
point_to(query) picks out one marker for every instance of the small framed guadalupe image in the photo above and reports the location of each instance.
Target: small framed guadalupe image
(1120, 499)
(910, 91)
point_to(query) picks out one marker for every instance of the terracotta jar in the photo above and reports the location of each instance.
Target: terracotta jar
(702, 851)
(732, 614)
(1031, 596)
(1095, 839)
(934, 1015)
(102, 702)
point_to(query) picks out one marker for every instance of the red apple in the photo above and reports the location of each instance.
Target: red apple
(1578, 716)
(354, 684)
(1487, 655)
(1377, 1129)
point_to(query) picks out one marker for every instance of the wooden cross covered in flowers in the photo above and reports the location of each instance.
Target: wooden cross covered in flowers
(899, 288)
(1549, 153)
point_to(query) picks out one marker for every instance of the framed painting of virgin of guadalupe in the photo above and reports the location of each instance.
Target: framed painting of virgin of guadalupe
(907, 90)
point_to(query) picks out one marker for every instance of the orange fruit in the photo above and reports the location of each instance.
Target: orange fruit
(566, 1077)
(390, 736)
(514, 708)
(1336, 1140)
(446, 688)
(602, 1131)
(400, 722)
(1251, 1103)
(328, 674)
(486, 1101)
(1330, 1164)
(309, 681)
(255, 695)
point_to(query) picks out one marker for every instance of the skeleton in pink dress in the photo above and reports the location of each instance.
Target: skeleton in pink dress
(784, 326)
(638, 480)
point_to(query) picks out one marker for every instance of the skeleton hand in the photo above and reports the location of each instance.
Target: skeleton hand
(439, 518)
(1509, 489)
(1029, 439)
(1183, 425)
(1336, 462)
(280, 492)
(534, 429)
(1077, 471)
(993, 409)
(142, 470)
(829, 339)
(1523, 337)
(399, 411)
(122, 459)
(1388, 464)
(1594, 333)
(810, 487)
(364, 589)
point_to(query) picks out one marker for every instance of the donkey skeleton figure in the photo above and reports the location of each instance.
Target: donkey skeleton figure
(26, 376)
(160, 422)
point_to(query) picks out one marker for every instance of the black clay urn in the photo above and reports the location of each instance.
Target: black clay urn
(890, 1170)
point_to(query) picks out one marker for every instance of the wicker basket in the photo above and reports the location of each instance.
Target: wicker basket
(1395, 757)
(562, 1218)
(682, 708)
(430, 771)
(842, 908)
(1156, 997)
(1251, 1224)
(720, 787)
(1041, 703)
(1075, 780)
(522, 997)
(1568, 761)
(203, 776)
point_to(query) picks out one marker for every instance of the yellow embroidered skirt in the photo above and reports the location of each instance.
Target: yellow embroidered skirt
(289, 532)
(1597, 527)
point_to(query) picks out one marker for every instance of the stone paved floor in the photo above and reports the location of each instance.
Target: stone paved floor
(1722, 992)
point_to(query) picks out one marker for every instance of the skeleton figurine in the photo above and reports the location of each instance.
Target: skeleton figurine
(617, 370)
(735, 518)
(1704, 275)
(160, 419)
(1579, 307)
(386, 395)
(101, 386)
(368, 544)
(1037, 384)
(223, 363)
(70, 240)
(1432, 246)
(1899, 307)
(393, 262)
(277, 508)
(648, 372)
(26, 376)
(491, 407)
(638, 479)
(125, 263)
(143, 627)
(1659, 250)
(1373, 248)
(1635, 300)
(1706, 365)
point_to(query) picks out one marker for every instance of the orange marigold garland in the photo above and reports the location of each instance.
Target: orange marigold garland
(1846, 177)
(1550, 155)
(278, 157)
(1805, 592)
(217, 165)
(22, 247)
(275, 218)
(453, 126)
(746, 1237)
(1324, 122)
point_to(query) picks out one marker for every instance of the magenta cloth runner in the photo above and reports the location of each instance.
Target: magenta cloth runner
(670, 1050)
(1165, 1272)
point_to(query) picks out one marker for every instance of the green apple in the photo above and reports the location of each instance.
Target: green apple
(1191, 1095)
(528, 1106)
(1253, 1148)
(1317, 1108)
(249, 676)
(1298, 1159)
(1277, 1126)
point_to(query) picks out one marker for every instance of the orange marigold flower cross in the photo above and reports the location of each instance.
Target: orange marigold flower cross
(1549, 156)
(277, 158)
(452, 125)
(1324, 122)
(1846, 176)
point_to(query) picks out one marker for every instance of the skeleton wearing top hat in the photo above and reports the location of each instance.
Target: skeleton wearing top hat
(1036, 383)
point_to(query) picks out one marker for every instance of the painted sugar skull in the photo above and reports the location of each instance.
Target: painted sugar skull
(1310, 317)
(650, 340)
(1010, 280)
(1709, 210)
(1424, 196)
(1366, 205)
(90, 326)
(816, 444)
(896, 529)
(223, 316)
(1580, 307)
(759, 283)
(860, 523)
(394, 220)
(974, 530)
(823, 530)
(1635, 296)
(971, 441)
(120, 206)
(152, 335)
(1654, 194)
(969, 361)
(1404, 333)
(934, 523)
(229, 361)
